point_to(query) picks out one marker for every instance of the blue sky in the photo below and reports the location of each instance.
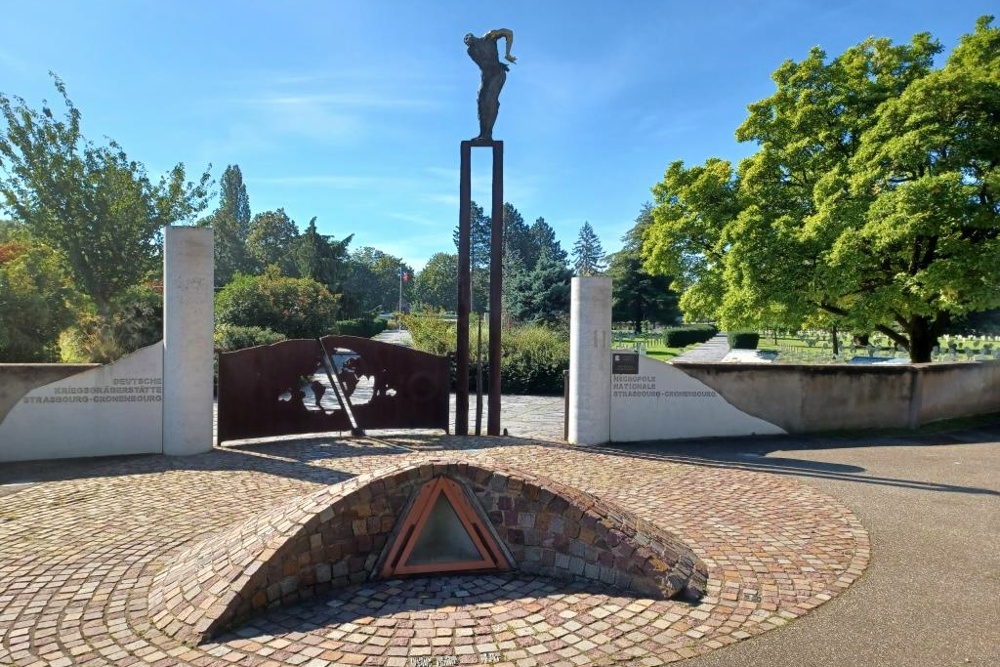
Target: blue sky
(352, 110)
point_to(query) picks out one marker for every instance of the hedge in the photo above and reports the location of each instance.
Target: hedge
(744, 340)
(362, 327)
(688, 335)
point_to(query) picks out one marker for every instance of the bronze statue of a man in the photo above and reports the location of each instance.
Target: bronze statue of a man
(483, 51)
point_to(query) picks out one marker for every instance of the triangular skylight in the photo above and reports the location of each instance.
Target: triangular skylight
(443, 532)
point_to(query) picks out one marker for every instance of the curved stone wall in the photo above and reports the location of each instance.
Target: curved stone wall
(334, 538)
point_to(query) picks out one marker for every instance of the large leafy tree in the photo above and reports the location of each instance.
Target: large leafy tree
(375, 281)
(436, 285)
(270, 240)
(588, 255)
(90, 202)
(637, 295)
(321, 258)
(231, 226)
(872, 198)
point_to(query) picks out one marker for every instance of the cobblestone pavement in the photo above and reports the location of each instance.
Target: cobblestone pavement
(77, 557)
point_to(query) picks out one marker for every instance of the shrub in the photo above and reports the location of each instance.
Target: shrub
(35, 302)
(533, 357)
(688, 334)
(744, 340)
(533, 360)
(431, 331)
(229, 337)
(295, 307)
(134, 322)
(360, 327)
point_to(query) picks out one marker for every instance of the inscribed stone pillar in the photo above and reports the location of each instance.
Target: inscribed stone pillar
(188, 276)
(590, 361)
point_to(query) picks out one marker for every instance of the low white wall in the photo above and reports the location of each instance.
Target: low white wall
(108, 410)
(660, 402)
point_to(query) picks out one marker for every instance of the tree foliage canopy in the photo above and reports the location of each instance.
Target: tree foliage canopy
(91, 203)
(588, 255)
(231, 226)
(374, 282)
(436, 285)
(872, 198)
(638, 296)
(36, 298)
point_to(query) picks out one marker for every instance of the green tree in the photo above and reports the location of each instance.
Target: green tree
(292, 307)
(374, 282)
(515, 278)
(271, 239)
(480, 237)
(321, 258)
(872, 197)
(543, 240)
(36, 299)
(436, 285)
(479, 256)
(588, 255)
(231, 226)
(91, 203)
(516, 235)
(544, 295)
(636, 295)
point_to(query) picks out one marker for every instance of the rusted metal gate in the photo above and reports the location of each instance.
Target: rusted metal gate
(336, 383)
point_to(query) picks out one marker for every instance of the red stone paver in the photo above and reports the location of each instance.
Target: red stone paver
(78, 559)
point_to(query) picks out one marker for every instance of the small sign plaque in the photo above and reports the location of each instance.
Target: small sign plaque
(625, 363)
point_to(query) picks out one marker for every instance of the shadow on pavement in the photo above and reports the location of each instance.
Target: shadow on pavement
(752, 453)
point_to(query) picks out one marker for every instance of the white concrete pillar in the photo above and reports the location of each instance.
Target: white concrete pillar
(590, 361)
(188, 274)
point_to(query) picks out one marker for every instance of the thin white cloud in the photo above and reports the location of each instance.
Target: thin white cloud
(332, 180)
(351, 100)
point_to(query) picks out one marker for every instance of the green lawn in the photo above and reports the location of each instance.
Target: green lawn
(652, 342)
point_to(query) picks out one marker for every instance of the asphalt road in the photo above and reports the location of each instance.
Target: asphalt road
(931, 595)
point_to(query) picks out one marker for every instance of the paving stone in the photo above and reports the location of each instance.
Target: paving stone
(78, 563)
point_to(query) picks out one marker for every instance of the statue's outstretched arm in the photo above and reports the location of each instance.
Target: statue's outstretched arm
(508, 35)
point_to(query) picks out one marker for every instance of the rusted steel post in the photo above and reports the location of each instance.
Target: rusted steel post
(464, 291)
(496, 291)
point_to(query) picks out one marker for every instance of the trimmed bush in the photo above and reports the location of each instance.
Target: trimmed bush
(744, 340)
(688, 334)
(361, 327)
(229, 337)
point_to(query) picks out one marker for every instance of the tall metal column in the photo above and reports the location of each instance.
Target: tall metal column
(465, 287)
(464, 291)
(496, 291)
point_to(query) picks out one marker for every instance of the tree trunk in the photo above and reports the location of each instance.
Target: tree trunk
(835, 340)
(922, 340)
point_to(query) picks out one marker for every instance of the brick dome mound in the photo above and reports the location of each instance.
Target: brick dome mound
(337, 537)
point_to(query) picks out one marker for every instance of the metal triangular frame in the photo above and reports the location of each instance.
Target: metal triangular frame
(492, 556)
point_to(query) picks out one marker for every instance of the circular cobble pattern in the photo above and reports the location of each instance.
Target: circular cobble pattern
(77, 559)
